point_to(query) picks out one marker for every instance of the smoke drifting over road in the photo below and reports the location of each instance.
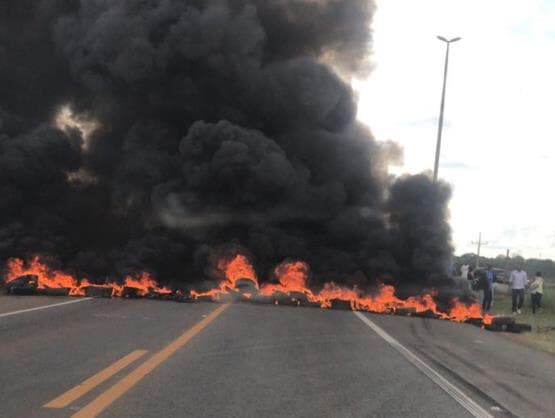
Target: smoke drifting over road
(218, 126)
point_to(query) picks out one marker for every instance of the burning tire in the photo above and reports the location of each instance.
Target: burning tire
(405, 311)
(245, 289)
(23, 285)
(518, 328)
(427, 314)
(477, 322)
(495, 328)
(262, 300)
(503, 320)
(340, 304)
(130, 292)
(54, 291)
(21, 291)
(98, 291)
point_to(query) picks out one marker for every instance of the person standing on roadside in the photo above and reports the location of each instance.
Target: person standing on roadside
(470, 277)
(489, 278)
(518, 281)
(464, 271)
(536, 291)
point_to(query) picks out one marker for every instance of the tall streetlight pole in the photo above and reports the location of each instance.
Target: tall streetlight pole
(440, 126)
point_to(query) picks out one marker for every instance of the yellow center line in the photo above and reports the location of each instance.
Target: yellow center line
(105, 399)
(86, 386)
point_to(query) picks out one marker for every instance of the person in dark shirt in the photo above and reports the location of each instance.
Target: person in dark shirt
(470, 277)
(488, 279)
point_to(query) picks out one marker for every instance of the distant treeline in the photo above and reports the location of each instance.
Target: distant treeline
(531, 265)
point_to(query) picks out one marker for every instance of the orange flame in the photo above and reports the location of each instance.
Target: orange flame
(144, 284)
(239, 267)
(47, 278)
(461, 312)
(293, 278)
(53, 279)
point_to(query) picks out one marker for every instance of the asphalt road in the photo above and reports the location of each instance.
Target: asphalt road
(141, 358)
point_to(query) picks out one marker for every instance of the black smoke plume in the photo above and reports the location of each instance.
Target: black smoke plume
(219, 125)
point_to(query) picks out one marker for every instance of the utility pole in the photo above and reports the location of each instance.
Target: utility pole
(507, 258)
(442, 107)
(479, 243)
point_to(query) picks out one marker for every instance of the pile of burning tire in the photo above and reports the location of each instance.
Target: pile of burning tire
(29, 285)
(245, 291)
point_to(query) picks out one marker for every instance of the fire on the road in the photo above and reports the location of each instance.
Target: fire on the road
(292, 281)
(232, 271)
(293, 278)
(53, 279)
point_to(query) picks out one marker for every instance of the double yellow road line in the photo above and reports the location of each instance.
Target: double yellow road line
(106, 398)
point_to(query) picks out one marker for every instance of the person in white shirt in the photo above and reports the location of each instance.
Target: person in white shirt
(518, 281)
(464, 271)
(536, 291)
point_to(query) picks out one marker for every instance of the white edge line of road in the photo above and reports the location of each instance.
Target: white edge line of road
(38, 308)
(463, 399)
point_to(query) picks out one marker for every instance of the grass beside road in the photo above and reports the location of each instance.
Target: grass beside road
(538, 338)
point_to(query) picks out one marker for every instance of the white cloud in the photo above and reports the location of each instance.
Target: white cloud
(498, 140)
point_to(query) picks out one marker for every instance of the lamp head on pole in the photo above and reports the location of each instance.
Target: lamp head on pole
(441, 38)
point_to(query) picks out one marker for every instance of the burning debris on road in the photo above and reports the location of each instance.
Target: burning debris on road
(240, 284)
(26, 284)
(35, 277)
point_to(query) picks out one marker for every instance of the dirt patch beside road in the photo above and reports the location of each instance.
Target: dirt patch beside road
(542, 336)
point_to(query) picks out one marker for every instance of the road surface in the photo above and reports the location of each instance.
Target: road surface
(144, 358)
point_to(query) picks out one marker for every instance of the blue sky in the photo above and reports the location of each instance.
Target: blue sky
(499, 136)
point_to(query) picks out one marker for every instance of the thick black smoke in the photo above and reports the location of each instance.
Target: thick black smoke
(219, 125)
